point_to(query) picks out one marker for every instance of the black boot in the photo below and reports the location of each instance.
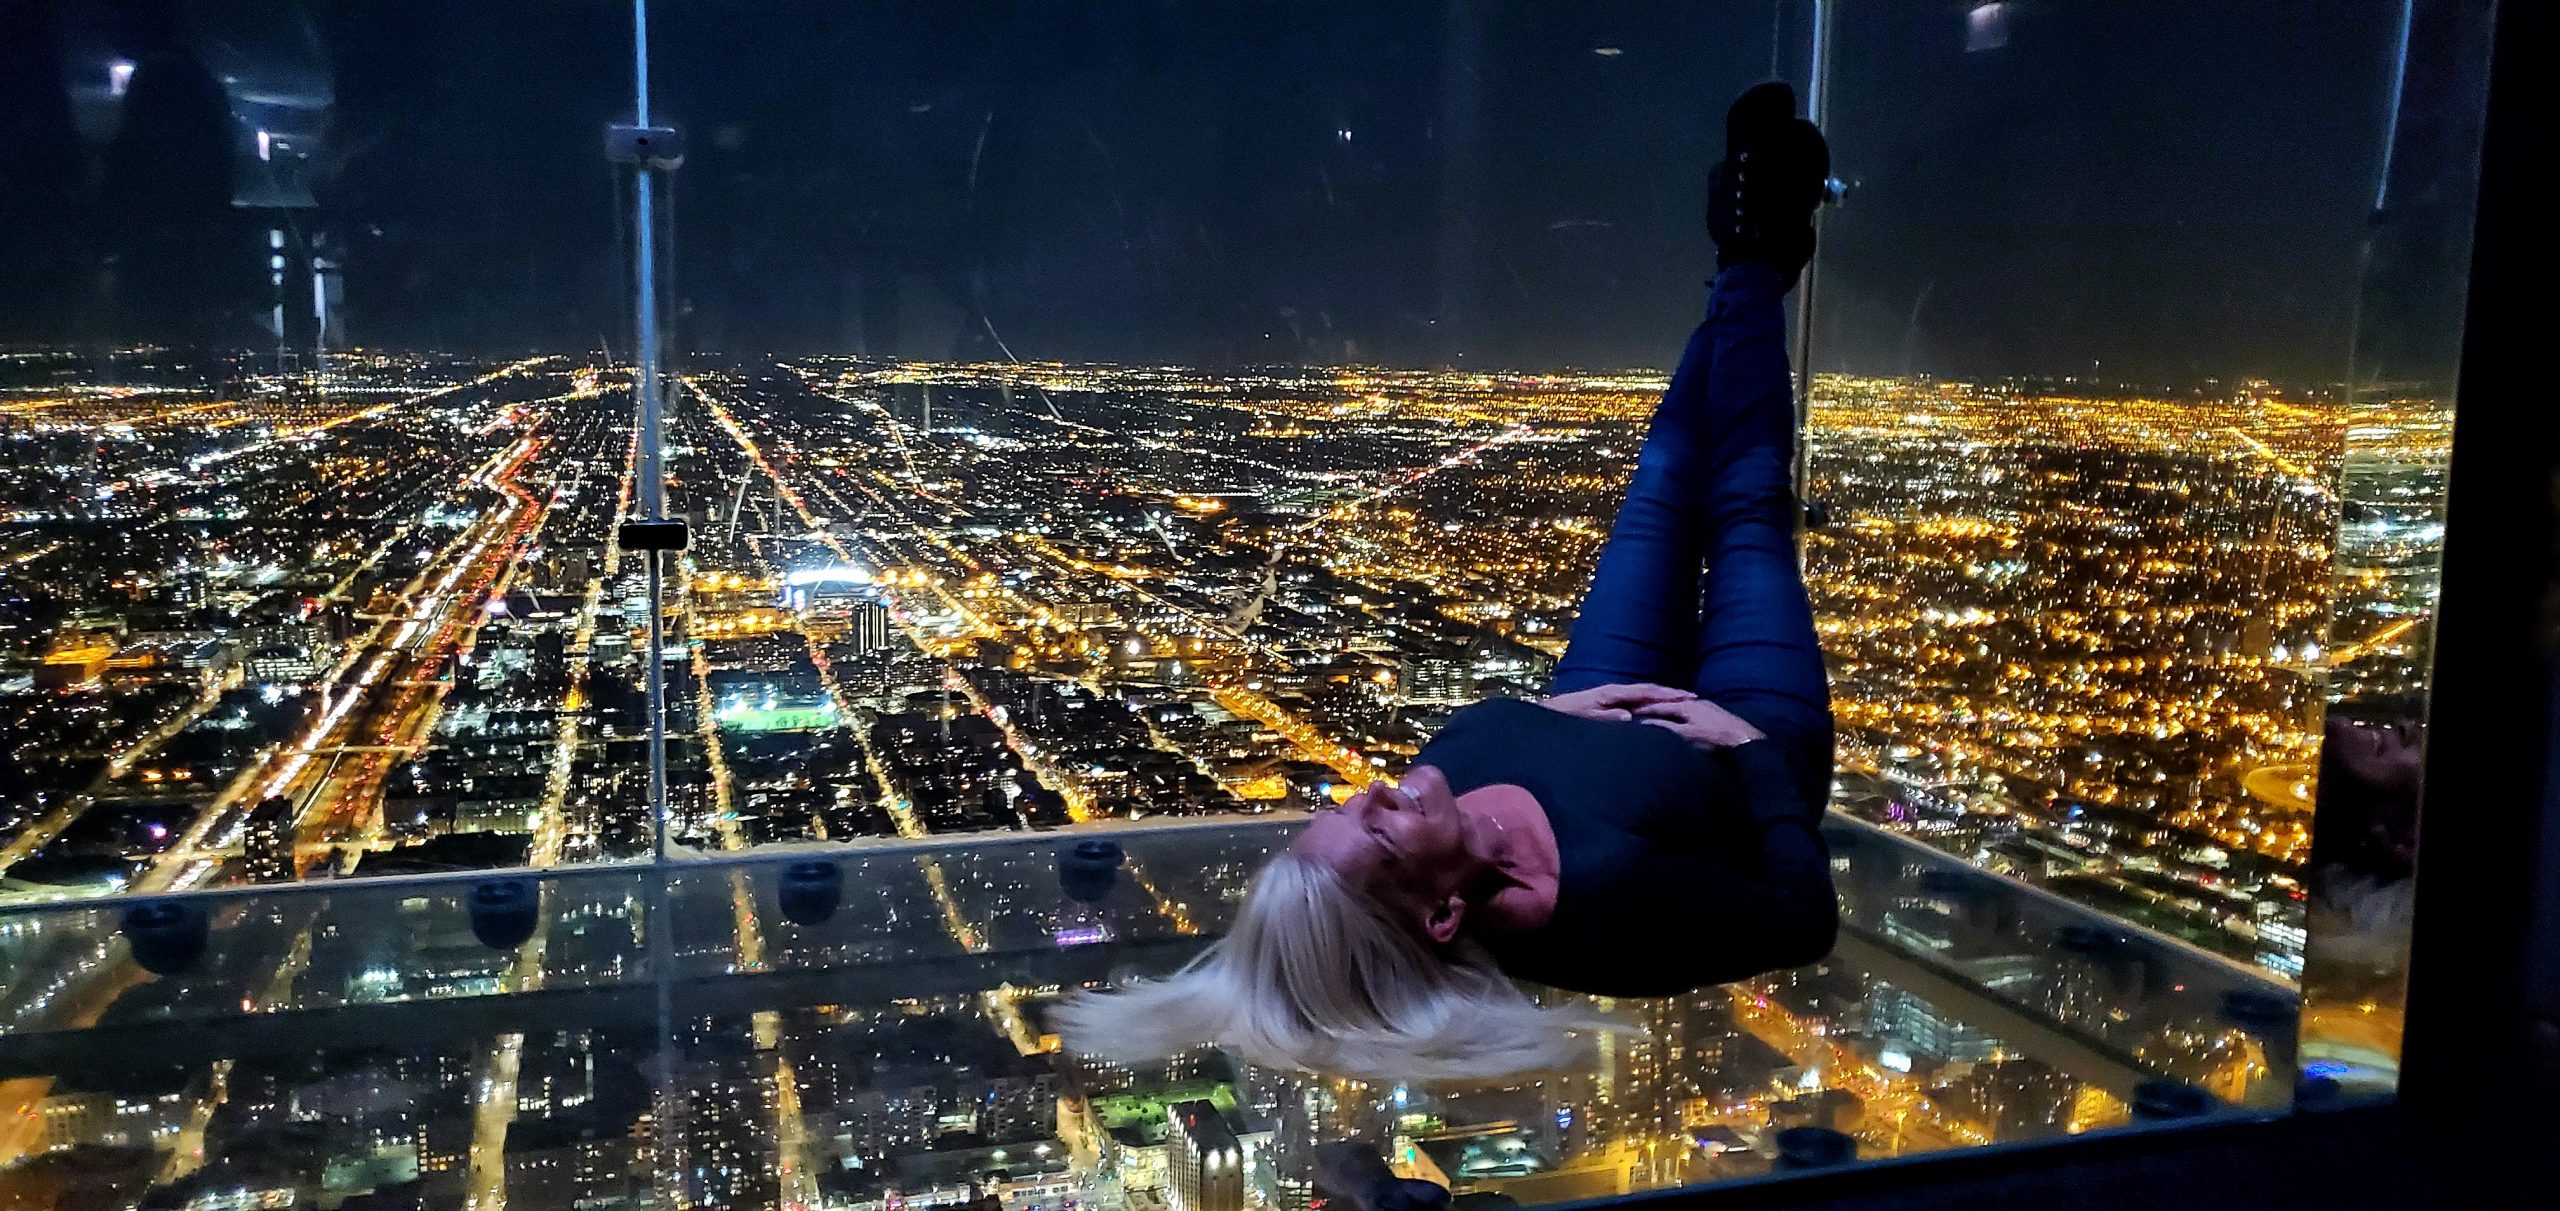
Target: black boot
(1776, 169)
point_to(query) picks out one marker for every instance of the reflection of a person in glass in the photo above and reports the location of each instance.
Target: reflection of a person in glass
(1649, 829)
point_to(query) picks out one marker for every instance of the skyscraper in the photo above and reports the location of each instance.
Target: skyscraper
(1206, 1160)
(267, 843)
(868, 627)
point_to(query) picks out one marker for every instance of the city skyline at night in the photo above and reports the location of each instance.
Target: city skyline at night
(328, 632)
(1102, 435)
(936, 597)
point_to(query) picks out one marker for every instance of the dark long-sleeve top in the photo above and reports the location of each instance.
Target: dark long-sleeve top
(1682, 867)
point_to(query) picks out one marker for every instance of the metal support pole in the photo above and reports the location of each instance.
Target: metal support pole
(634, 146)
(653, 493)
(1817, 98)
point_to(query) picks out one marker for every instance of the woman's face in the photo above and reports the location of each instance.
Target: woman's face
(1407, 837)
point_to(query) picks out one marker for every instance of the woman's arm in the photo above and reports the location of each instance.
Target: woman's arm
(1615, 702)
(1700, 722)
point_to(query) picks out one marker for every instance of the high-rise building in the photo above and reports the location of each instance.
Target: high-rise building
(1206, 1160)
(444, 1143)
(1910, 1029)
(266, 845)
(867, 627)
(725, 1159)
(284, 661)
(1019, 1107)
(574, 1163)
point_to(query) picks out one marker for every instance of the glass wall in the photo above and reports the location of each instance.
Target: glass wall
(2134, 342)
(306, 521)
(1137, 425)
(2398, 445)
(1122, 413)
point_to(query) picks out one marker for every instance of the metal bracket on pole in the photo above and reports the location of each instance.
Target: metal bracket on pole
(656, 148)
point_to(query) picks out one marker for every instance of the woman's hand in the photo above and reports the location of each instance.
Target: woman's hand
(1616, 703)
(1700, 722)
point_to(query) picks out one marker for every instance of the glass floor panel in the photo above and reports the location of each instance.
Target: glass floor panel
(868, 1028)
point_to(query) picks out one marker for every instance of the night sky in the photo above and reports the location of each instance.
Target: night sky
(2158, 191)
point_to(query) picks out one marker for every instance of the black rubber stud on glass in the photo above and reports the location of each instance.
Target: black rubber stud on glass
(1815, 1148)
(1087, 868)
(2274, 1018)
(2318, 1093)
(2258, 1010)
(1965, 890)
(1967, 897)
(2163, 1100)
(167, 938)
(2088, 941)
(810, 892)
(503, 911)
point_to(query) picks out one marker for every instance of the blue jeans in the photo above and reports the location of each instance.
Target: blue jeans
(1700, 584)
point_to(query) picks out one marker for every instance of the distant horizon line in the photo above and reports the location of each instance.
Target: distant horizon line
(10, 352)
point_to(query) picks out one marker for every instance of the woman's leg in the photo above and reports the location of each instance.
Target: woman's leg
(1756, 652)
(1639, 620)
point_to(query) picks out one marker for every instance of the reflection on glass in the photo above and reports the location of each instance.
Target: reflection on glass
(296, 592)
(2083, 438)
(2412, 269)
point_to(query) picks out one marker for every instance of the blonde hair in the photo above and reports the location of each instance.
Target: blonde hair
(1319, 977)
